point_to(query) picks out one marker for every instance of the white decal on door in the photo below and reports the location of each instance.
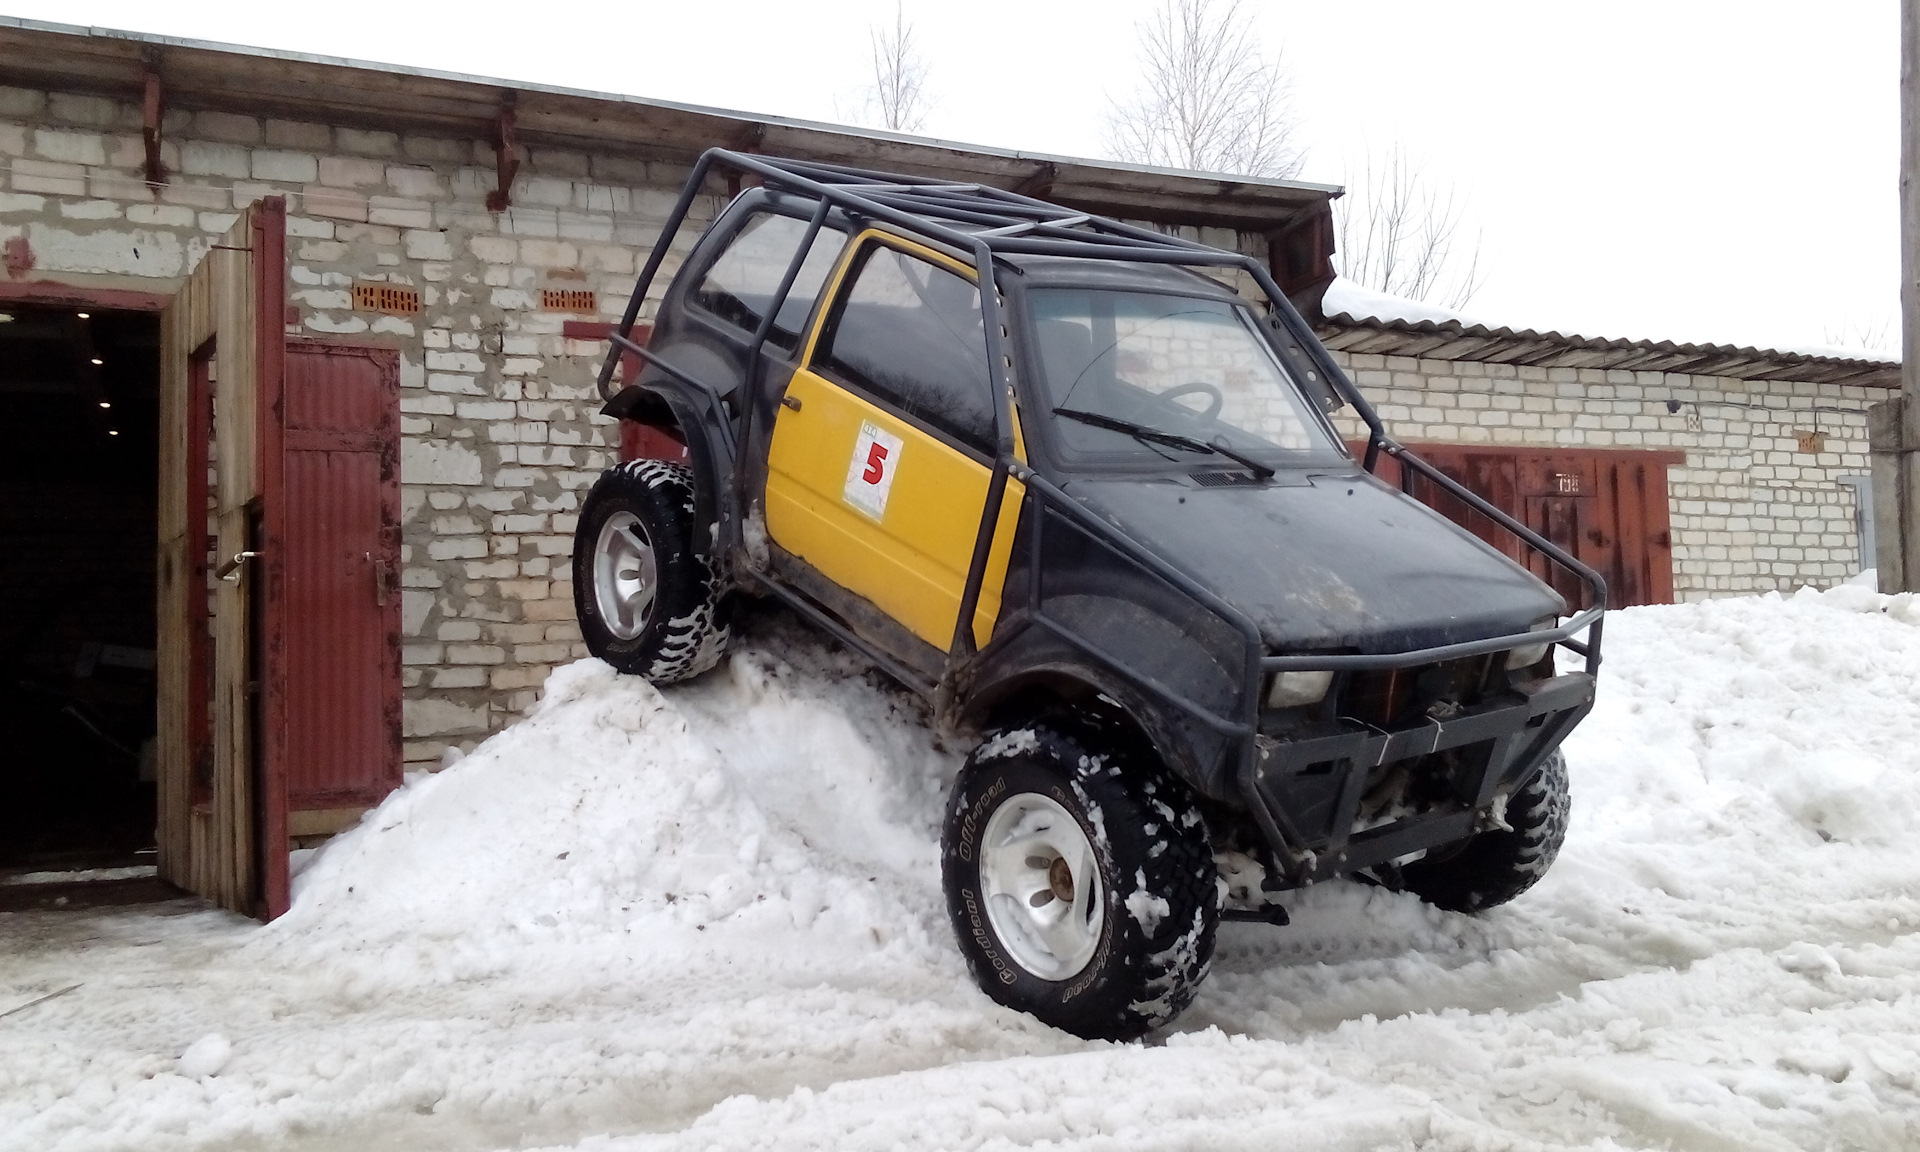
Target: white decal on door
(876, 455)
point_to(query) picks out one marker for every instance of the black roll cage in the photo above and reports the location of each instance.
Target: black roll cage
(1010, 224)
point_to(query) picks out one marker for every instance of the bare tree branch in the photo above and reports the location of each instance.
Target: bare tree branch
(1399, 234)
(1869, 336)
(899, 91)
(1208, 98)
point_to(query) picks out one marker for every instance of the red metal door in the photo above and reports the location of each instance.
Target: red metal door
(341, 580)
(1608, 508)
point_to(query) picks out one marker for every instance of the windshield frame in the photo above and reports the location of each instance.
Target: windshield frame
(1043, 429)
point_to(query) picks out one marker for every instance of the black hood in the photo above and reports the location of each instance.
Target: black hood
(1327, 561)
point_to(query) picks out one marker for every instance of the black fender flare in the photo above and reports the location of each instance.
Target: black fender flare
(665, 403)
(1087, 686)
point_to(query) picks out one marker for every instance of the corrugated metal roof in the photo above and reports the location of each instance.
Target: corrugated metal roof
(1456, 340)
(266, 82)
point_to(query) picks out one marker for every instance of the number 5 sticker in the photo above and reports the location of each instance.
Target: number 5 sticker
(876, 456)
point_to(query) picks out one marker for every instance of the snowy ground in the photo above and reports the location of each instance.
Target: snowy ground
(711, 919)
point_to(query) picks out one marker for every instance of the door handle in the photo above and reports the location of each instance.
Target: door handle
(230, 571)
(382, 572)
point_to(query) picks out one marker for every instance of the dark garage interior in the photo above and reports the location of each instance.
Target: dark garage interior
(78, 489)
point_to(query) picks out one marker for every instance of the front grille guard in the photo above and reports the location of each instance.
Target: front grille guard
(989, 222)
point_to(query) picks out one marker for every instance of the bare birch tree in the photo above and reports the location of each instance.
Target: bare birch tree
(899, 91)
(1400, 234)
(1209, 98)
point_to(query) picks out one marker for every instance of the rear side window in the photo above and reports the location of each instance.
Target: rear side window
(740, 283)
(909, 333)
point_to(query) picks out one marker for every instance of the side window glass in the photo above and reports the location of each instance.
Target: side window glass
(909, 333)
(741, 282)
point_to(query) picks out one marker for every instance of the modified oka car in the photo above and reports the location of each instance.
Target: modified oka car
(1087, 500)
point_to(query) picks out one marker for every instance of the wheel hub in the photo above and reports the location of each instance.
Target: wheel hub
(625, 575)
(1042, 886)
(1060, 879)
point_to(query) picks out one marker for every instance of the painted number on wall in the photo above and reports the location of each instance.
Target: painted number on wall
(876, 457)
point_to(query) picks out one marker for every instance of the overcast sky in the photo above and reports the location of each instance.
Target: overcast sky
(1705, 171)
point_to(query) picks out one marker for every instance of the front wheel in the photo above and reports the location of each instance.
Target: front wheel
(647, 603)
(1080, 880)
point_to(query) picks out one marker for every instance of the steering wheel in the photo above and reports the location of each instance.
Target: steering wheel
(1214, 399)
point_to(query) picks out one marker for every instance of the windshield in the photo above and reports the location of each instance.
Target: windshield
(1180, 365)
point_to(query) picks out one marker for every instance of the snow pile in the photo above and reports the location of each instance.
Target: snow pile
(711, 918)
(609, 828)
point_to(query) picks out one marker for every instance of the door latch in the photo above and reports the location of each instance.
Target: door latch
(230, 571)
(792, 402)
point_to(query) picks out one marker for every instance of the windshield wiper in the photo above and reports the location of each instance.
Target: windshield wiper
(1170, 439)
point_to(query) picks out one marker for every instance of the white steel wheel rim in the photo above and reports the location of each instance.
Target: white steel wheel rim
(625, 575)
(1042, 886)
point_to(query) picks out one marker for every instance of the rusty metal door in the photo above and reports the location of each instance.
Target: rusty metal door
(221, 738)
(1608, 508)
(340, 572)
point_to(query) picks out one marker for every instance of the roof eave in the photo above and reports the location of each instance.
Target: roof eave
(294, 85)
(1430, 340)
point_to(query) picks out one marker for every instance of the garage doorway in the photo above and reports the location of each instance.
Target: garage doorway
(77, 632)
(199, 577)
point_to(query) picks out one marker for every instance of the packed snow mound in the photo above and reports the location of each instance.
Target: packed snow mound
(758, 810)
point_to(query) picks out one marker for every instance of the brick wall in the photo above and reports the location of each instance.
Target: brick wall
(1751, 511)
(499, 413)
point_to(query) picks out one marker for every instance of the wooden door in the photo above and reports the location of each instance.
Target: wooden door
(1607, 507)
(339, 570)
(222, 703)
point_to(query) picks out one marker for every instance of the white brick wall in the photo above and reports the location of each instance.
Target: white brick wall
(499, 412)
(1750, 511)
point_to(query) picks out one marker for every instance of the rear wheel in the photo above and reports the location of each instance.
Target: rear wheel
(1491, 868)
(1080, 880)
(647, 604)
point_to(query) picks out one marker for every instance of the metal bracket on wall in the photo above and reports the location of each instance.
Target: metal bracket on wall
(1038, 183)
(506, 155)
(747, 139)
(152, 109)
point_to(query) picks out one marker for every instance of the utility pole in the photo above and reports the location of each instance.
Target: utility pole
(1893, 426)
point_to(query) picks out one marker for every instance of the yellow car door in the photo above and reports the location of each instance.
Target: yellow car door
(878, 467)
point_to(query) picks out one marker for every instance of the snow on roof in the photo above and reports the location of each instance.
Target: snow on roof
(1358, 302)
(1412, 328)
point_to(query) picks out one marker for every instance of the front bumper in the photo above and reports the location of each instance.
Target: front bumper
(1308, 792)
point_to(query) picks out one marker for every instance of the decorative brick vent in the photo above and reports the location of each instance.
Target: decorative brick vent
(568, 300)
(393, 299)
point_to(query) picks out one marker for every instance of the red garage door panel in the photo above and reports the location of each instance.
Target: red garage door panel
(1608, 508)
(342, 576)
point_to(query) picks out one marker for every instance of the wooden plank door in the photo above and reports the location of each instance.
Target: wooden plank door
(222, 703)
(340, 570)
(1608, 507)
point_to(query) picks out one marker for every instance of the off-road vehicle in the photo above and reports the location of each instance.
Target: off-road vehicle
(1088, 500)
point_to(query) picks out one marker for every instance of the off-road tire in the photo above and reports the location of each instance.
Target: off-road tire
(1159, 889)
(686, 629)
(1491, 868)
